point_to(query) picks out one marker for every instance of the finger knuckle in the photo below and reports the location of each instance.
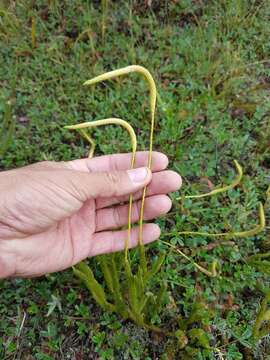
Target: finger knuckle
(136, 211)
(117, 217)
(113, 180)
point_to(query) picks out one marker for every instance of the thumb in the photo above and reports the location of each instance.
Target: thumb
(110, 184)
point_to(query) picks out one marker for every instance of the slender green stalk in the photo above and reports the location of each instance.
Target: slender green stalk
(153, 95)
(91, 142)
(131, 300)
(124, 124)
(235, 182)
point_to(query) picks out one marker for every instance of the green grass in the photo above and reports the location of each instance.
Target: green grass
(211, 63)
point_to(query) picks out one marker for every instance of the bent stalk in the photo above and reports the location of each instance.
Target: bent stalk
(152, 100)
(128, 127)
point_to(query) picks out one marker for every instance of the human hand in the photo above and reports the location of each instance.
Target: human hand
(55, 214)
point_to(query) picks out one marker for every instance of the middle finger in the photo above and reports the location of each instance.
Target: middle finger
(162, 182)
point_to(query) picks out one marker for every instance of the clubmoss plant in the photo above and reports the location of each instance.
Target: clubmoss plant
(133, 139)
(152, 102)
(140, 303)
(127, 291)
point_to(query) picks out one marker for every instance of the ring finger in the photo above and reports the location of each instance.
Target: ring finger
(116, 217)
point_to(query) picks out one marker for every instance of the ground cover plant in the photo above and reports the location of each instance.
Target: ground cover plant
(210, 61)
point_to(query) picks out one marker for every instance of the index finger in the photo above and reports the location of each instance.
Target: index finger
(119, 162)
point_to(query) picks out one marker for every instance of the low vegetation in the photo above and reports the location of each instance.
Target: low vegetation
(210, 60)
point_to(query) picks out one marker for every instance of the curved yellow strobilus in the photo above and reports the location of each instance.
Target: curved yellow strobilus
(109, 121)
(234, 183)
(153, 95)
(212, 273)
(240, 234)
(128, 127)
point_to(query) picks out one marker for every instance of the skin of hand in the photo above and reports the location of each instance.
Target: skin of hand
(55, 214)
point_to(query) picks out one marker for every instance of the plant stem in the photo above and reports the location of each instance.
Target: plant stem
(128, 127)
(152, 99)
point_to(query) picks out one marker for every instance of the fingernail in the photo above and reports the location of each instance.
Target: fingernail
(138, 175)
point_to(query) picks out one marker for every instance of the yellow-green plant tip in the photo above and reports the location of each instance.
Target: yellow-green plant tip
(257, 229)
(108, 121)
(262, 216)
(120, 72)
(234, 183)
(152, 87)
(214, 268)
